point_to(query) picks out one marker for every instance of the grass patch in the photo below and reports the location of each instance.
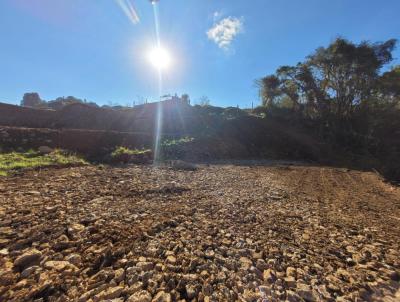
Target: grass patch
(14, 161)
(177, 142)
(126, 151)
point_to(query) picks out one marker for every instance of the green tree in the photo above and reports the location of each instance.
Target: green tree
(333, 80)
(389, 85)
(32, 99)
(61, 102)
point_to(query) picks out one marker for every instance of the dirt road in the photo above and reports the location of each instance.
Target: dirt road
(221, 233)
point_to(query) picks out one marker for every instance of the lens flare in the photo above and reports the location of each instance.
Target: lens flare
(129, 10)
(160, 58)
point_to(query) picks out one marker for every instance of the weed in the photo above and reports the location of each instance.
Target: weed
(13, 161)
(126, 151)
(177, 142)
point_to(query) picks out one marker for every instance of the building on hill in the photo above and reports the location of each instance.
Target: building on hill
(169, 100)
(175, 99)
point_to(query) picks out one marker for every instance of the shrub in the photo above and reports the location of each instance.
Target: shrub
(126, 155)
(177, 142)
(175, 148)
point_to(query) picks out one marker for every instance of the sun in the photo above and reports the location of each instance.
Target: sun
(160, 58)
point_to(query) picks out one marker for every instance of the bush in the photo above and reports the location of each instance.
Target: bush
(175, 148)
(233, 112)
(126, 155)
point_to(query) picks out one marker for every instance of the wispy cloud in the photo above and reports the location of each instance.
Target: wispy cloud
(217, 15)
(224, 32)
(129, 10)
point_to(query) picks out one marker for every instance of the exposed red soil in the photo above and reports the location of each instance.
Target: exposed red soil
(221, 233)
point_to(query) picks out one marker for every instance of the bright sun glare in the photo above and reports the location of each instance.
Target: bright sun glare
(160, 58)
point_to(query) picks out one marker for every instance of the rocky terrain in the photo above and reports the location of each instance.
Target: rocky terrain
(219, 233)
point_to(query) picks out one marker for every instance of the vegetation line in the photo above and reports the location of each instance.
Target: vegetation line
(15, 161)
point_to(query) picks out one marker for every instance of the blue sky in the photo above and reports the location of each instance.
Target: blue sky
(91, 49)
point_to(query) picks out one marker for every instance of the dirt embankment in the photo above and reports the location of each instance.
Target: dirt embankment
(82, 116)
(221, 233)
(217, 134)
(17, 116)
(90, 130)
(91, 143)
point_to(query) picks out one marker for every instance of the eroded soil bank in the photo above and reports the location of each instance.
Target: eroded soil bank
(221, 233)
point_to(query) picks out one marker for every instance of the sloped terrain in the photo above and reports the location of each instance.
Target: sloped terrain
(221, 233)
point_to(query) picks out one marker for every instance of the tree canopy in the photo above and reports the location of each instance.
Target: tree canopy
(334, 80)
(31, 99)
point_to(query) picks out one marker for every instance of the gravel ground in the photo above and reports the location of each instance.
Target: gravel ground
(220, 233)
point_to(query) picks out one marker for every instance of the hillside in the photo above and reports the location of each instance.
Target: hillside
(218, 133)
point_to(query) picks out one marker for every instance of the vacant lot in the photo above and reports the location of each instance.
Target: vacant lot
(221, 233)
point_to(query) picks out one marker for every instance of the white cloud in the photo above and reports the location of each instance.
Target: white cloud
(225, 31)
